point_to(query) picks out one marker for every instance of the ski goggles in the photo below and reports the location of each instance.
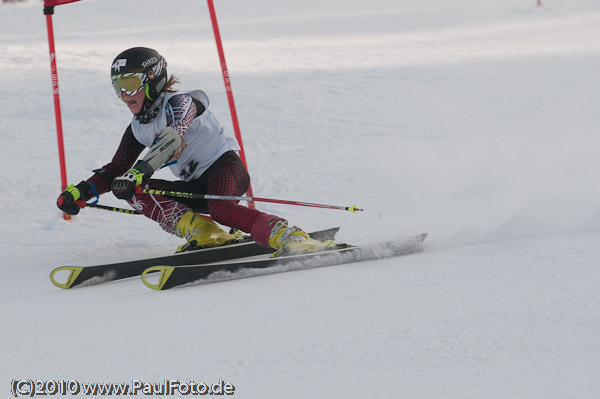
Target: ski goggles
(129, 83)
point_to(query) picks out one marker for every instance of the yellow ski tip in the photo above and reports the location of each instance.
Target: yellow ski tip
(354, 209)
(165, 273)
(73, 273)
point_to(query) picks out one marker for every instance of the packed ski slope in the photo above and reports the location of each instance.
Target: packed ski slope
(474, 121)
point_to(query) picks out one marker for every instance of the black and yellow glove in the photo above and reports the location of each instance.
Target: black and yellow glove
(123, 187)
(74, 197)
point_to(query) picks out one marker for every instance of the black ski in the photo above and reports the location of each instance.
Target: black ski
(170, 276)
(91, 275)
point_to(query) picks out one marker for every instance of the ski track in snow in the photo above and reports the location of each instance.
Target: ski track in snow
(476, 122)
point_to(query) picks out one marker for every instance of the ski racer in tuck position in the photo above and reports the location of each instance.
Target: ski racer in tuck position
(179, 130)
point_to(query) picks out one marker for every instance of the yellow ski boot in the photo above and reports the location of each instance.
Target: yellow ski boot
(200, 231)
(293, 241)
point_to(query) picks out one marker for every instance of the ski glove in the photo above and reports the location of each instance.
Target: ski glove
(70, 199)
(123, 187)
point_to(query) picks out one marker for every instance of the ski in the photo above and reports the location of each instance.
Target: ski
(173, 276)
(92, 275)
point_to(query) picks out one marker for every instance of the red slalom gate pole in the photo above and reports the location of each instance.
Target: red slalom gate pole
(236, 125)
(48, 11)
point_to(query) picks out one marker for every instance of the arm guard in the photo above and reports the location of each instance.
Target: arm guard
(163, 149)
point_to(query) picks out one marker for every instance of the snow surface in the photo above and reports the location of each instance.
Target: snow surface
(474, 121)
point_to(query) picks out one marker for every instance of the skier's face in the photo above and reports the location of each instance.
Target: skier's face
(134, 102)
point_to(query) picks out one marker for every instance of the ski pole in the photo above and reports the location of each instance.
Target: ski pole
(83, 204)
(180, 194)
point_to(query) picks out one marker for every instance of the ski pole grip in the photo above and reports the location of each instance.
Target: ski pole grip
(81, 203)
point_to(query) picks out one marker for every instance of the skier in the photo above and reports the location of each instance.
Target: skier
(179, 130)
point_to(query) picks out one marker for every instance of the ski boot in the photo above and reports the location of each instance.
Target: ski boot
(288, 240)
(199, 231)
